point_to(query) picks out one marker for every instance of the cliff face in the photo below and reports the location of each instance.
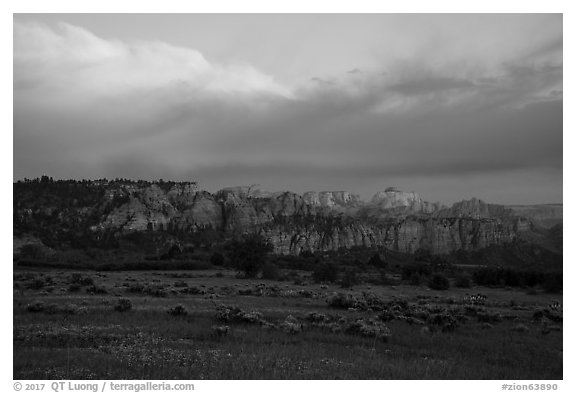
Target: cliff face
(339, 200)
(391, 198)
(316, 221)
(406, 235)
(545, 215)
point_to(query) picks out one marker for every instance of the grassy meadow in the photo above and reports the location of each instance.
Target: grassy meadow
(212, 325)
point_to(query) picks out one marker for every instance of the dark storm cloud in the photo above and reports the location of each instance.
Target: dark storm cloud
(89, 107)
(431, 85)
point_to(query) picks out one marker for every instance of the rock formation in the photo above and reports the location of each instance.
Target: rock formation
(325, 220)
(544, 215)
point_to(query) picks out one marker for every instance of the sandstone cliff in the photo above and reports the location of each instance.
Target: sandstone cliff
(544, 215)
(324, 220)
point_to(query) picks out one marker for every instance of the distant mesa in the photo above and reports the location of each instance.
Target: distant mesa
(331, 198)
(105, 211)
(393, 199)
(251, 191)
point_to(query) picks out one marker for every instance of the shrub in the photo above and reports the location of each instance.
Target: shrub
(35, 307)
(96, 290)
(73, 309)
(251, 317)
(136, 288)
(553, 283)
(75, 277)
(87, 281)
(291, 325)
(217, 259)
(227, 313)
(513, 278)
(325, 272)
(376, 260)
(416, 279)
(462, 281)
(317, 317)
(123, 305)
(78, 279)
(490, 317)
(178, 310)
(248, 253)
(37, 283)
(439, 282)
(415, 272)
(538, 315)
(349, 279)
(157, 291)
(51, 308)
(74, 288)
(220, 331)
(270, 271)
(487, 276)
(445, 321)
(32, 251)
(193, 291)
(236, 314)
(369, 328)
(384, 279)
(341, 300)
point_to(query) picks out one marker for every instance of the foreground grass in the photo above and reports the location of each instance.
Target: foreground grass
(96, 342)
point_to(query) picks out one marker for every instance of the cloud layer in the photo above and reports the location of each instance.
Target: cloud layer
(434, 111)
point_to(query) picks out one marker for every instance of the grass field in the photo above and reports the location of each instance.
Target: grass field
(211, 325)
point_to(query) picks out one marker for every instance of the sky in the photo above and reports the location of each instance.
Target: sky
(452, 106)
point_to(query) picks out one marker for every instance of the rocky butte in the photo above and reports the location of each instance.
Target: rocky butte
(314, 221)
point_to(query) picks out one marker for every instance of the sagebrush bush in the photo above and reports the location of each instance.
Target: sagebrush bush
(87, 281)
(324, 272)
(349, 279)
(123, 305)
(376, 260)
(217, 259)
(37, 306)
(291, 325)
(384, 279)
(520, 328)
(419, 268)
(463, 281)
(51, 308)
(96, 290)
(553, 284)
(77, 278)
(37, 283)
(220, 331)
(416, 279)
(369, 328)
(439, 282)
(341, 300)
(178, 310)
(236, 314)
(270, 271)
(490, 317)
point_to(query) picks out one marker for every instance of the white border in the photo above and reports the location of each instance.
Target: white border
(299, 6)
